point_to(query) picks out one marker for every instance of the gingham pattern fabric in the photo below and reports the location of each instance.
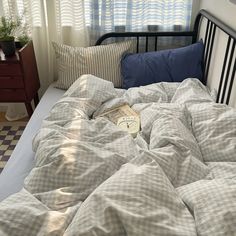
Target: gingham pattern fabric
(170, 136)
(33, 218)
(137, 200)
(191, 91)
(102, 61)
(219, 132)
(213, 125)
(92, 178)
(213, 205)
(226, 170)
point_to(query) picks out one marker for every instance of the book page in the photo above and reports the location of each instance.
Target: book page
(114, 114)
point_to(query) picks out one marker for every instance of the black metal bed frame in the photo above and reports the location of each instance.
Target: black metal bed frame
(228, 70)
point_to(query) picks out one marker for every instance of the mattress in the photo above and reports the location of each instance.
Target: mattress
(22, 159)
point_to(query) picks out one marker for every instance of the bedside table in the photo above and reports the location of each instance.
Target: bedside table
(19, 81)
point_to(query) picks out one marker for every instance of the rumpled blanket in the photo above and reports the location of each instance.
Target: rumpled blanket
(177, 177)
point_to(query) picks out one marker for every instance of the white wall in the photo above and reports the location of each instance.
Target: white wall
(195, 10)
(223, 9)
(226, 12)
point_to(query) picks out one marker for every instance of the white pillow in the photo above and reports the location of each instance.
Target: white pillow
(102, 61)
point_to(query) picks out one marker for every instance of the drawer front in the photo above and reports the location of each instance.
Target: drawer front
(8, 69)
(11, 82)
(12, 95)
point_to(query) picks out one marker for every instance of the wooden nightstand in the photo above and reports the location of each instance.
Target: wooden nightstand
(19, 81)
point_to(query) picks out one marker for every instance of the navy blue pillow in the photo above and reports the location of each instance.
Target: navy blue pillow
(173, 65)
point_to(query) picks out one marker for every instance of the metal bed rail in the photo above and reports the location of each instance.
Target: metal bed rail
(228, 70)
(146, 35)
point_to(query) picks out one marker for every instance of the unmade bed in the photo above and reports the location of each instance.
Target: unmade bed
(86, 176)
(22, 158)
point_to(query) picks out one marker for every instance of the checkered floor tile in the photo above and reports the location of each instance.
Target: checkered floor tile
(9, 136)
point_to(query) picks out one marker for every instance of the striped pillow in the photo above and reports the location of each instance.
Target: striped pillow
(102, 61)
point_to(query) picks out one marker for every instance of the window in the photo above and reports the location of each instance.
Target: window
(102, 16)
(137, 14)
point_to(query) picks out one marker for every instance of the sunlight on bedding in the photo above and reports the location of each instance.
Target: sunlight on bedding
(93, 178)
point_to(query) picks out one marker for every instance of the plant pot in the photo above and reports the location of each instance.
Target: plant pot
(8, 47)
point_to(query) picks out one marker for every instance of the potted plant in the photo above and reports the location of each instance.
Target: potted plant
(23, 39)
(7, 39)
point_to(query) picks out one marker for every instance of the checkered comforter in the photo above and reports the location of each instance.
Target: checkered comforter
(178, 177)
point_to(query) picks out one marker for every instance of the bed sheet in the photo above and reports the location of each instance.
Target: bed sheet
(22, 159)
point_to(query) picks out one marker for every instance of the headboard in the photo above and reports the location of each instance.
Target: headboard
(212, 23)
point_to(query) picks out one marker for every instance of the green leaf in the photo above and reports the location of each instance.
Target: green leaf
(8, 27)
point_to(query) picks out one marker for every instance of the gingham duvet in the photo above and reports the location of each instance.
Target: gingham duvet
(177, 177)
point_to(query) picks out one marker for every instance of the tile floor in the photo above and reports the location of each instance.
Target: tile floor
(9, 135)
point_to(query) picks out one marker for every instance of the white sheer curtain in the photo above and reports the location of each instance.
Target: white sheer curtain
(47, 20)
(104, 16)
(81, 22)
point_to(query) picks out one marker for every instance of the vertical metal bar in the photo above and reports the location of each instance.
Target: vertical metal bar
(227, 73)
(196, 28)
(210, 53)
(231, 83)
(208, 44)
(206, 34)
(205, 43)
(155, 43)
(223, 70)
(137, 50)
(146, 48)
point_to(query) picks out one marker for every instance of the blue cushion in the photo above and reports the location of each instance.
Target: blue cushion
(173, 65)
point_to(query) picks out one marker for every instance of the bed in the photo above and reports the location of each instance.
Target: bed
(91, 178)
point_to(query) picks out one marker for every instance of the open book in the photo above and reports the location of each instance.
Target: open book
(124, 117)
(114, 114)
